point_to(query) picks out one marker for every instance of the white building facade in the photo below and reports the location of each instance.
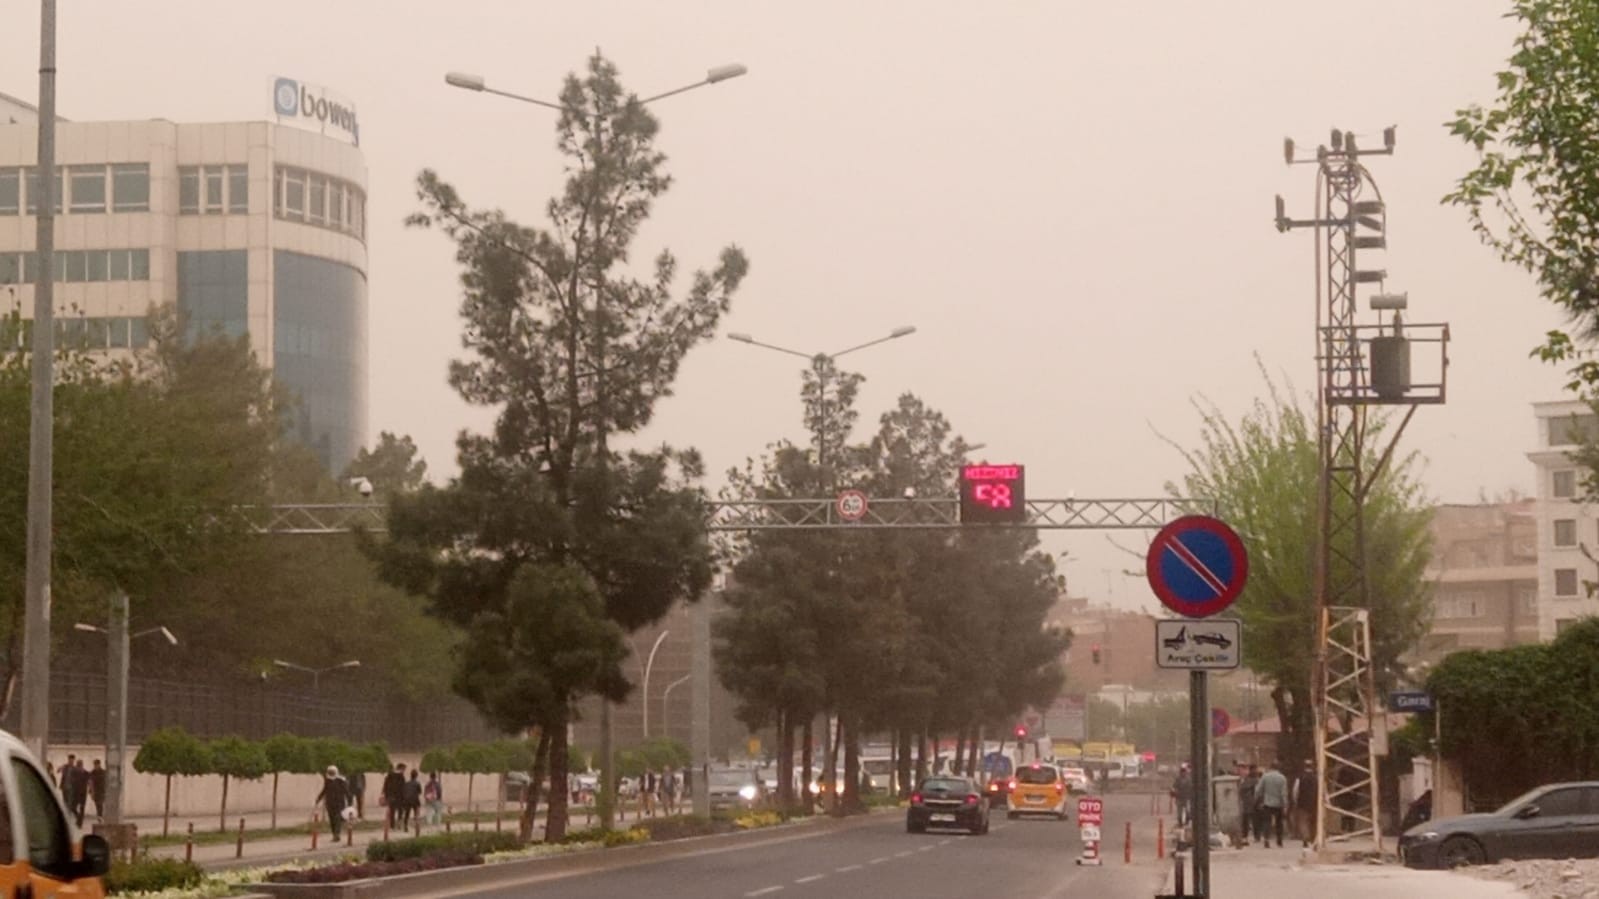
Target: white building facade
(1566, 526)
(249, 228)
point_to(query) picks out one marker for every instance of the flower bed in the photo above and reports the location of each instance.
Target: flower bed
(343, 871)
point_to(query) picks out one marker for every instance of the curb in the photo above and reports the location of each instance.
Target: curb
(431, 883)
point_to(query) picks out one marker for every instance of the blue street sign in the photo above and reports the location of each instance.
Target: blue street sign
(1410, 701)
(1197, 566)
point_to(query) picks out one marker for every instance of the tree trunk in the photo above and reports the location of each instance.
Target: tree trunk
(785, 763)
(921, 756)
(832, 764)
(541, 761)
(222, 817)
(274, 800)
(166, 811)
(975, 751)
(555, 820)
(808, 759)
(902, 764)
(470, 776)
(852, 764)
(960, 749)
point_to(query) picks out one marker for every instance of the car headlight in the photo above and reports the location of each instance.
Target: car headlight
(1424, 836)
(816, 788)
(747, 791)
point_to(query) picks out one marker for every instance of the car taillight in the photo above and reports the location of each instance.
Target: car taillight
(1013, 785)
(972, 798)
(993, 786)
(916, 799)
(1060, 788)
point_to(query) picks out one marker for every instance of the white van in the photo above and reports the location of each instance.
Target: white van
(41, 851)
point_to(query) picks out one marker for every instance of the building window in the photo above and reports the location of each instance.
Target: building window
(10, 191)
(302, 196)
(88, 188)
(1562, 624)
(1573, 430)
(36, 188)
(116, 332)
(213, 177)
(238, 188)
(1468, 605)
(1527, 602)
(1565, 582)
(189, 190)
(294, 195)
(11, 268)
(79, 265)
(316, 203)
(1563, 484)
(1565, 532)
(130, 187)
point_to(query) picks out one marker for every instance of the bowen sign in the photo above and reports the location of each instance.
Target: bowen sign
(314, 107)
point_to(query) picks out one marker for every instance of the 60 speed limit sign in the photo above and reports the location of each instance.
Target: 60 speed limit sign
(852, 505)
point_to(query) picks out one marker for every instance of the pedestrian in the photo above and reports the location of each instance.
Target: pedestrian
(357, 781)
(394, 791)
(1182, 791)
(80, 790)
(1247, 813)
(1305, 802)
(335, 797)
(64, 779)
(433, 794)
(647, 795)
(1272, 796)
(97, 789)
(411, 803)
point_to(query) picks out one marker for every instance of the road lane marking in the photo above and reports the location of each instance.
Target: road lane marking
(763, 891)
(848, 868)
(904, 854)
(927, 849)
(879, 860)
(811, 879)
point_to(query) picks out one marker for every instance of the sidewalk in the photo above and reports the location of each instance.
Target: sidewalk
(1257, 871)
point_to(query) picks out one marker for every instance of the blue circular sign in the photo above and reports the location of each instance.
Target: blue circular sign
(1197, 566)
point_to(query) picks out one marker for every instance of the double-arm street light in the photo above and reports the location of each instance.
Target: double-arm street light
(701, 749)
(649, 666)
(316, 673)
(116, 731)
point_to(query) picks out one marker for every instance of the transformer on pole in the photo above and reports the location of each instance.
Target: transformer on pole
(1358, 366)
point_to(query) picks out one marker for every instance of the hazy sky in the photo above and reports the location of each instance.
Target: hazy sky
(1071, 201)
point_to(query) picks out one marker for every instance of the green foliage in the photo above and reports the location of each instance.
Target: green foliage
(173, 751)
(1262, 472)
(441, 760)
(288, 753)
(152, 875)
(391, 466)
(473, 842)
(238, 758)
(1537, 155)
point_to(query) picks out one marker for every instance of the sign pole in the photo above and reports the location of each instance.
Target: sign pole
(1199, 747)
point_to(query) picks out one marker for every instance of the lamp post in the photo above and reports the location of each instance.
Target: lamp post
(701, 751)
(116, 727)
(648, 667)
(666, 697)
(316, 673)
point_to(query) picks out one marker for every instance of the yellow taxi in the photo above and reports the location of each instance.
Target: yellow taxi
(1038, 789)
(41, 851)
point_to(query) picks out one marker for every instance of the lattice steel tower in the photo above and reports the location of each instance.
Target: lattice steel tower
(1358, 366)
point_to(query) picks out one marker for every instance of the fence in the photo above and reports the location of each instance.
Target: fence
(78, 713)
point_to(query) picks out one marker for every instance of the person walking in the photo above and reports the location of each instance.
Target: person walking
(1272, 796)
(80, 790)
(1248, 815)
(411, 801)
(1182, 791)
(1305, 801)
(64, 780)
(97, 789)
(335, 797)
(394, 792)
(357, 781)
(433, 794)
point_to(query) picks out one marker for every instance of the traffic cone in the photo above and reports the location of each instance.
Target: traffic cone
(1160, 838)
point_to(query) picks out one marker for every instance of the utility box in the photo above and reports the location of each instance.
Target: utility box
(1390, 366)
(1224, 816)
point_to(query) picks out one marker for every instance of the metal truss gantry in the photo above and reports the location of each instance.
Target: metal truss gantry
(793, 514)
(1351, 216)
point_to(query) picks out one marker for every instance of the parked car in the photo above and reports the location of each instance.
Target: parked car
(947, 802)
(1553, 821)
(1076, 779)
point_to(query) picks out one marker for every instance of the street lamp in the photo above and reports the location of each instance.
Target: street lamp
(666, 696)
(648, 667)
(474, 82)
(117, 658)
(316, 673)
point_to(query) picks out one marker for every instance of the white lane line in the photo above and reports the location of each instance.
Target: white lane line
(926, 849)
(945, 842)
(848, 868)
(763, 891)
(811, 879)
(906, 854)
(879, 860)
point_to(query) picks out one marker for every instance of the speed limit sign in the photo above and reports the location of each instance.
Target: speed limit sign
(852, 505)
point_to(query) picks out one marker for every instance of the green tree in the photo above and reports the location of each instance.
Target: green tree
(1262, 473)
(172, 751)
(392, 466)
(285, 753)
(236, 758)
(1532, 196)
(570, 350)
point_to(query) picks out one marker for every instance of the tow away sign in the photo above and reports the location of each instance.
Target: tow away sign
(1198, 645)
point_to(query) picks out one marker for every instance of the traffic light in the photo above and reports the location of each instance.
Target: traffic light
(1021, 731)
(1096, 653)
(993, 494)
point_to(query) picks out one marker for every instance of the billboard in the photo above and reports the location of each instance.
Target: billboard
(315, 108)
(1067, 718)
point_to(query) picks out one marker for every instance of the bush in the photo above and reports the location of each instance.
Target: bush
(626, 837)
(150, 875)
(586, 835)
(753, 820)
(472, 842)
(343, 871)
(678, 827)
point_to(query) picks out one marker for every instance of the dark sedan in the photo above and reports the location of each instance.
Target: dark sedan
(948, 802)
(1554, 821)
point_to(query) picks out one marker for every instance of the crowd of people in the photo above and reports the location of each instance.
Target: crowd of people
(402, 798)
(1270, 804)
(79, 785)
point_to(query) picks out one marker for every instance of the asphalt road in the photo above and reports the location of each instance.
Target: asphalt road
(1026, 859)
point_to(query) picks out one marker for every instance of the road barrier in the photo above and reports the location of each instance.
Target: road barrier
(188, 844)
(1160, 838)
(1127, 845)
(238, 852)
(313, 831)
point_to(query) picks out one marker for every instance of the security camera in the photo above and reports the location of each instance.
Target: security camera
(910, 492)
(362, 485)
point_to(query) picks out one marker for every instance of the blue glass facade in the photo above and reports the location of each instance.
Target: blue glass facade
(319, 351)
(214, 291)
